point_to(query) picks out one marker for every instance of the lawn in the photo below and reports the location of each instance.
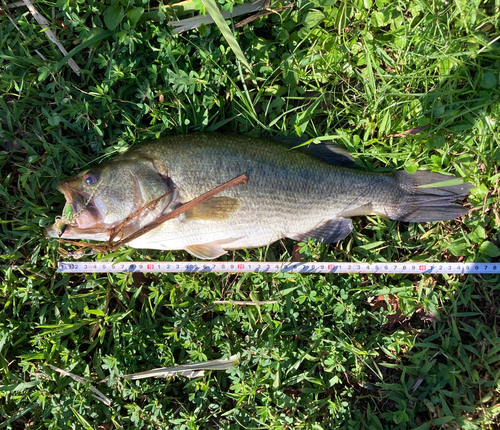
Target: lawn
(402, 85)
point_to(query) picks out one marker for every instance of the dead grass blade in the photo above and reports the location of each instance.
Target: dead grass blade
(52, 37)
(194, 22)
(192, 370)
(97, 394)
(13, 5)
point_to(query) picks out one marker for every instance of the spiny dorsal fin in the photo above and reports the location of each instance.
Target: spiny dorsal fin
(325, 150)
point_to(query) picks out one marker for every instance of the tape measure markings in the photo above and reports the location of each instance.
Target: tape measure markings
(278, 267)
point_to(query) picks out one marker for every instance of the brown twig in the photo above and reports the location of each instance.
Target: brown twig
(116, 230)
(410, 132)
(76, 243)
(108, 247)
(261, 14)
(242, 179)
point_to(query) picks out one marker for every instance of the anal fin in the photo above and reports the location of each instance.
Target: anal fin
(329, 232)
(366, 209)
(206, 251)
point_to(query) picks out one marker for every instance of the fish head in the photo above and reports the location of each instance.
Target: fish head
(102, 197)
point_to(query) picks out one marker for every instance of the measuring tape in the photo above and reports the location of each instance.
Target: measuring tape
(277, 267)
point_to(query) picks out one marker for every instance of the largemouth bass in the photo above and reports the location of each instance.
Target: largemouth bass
(293, 193)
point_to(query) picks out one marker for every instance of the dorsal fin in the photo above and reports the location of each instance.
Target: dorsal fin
(326, 150)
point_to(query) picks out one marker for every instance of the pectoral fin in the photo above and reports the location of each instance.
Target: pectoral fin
(329, 232)
(217, 208)
(206, 251)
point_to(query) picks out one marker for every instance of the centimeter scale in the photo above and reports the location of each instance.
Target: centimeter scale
(278, 267)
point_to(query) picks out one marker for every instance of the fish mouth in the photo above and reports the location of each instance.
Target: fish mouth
(85, 212)
(82, 216)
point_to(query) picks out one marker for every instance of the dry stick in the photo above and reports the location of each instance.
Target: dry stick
(242, 179)
(410, 132)
(261, 14)
(116, 230)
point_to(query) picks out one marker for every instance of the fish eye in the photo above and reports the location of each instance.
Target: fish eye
(90, 179)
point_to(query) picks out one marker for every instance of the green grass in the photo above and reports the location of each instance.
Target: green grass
(336, 351)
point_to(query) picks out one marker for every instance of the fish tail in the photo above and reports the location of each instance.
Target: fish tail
(429, 196)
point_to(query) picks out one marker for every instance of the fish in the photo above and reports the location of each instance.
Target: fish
(297, 193)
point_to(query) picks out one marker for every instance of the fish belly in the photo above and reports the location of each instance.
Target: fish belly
(233, 233)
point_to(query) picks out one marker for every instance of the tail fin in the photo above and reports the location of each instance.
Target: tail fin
(430, 196)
